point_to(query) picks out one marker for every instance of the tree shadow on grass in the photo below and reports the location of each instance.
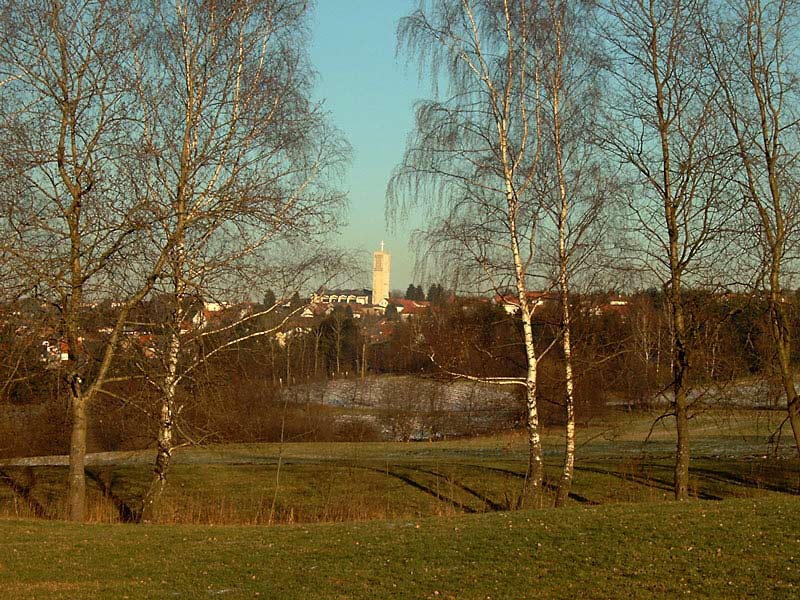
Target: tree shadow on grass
(423, 488)
(24, 492)
(104, 478)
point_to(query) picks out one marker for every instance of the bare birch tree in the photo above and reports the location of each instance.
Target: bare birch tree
(69, 141)
(170, 142)
(475, 154)
(664, 126)
(570, 65)
(752, 48)
(240, 160)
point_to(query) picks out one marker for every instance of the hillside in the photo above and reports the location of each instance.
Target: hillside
(732, 549)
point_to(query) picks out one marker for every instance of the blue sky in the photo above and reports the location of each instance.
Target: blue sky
(370, 94)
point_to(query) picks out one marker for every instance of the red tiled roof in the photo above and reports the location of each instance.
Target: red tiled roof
(410, 307)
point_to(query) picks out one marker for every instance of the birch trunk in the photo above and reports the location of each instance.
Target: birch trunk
(567, 472)
(178, 266)
(151, 504)
(565, 483)
(535, 473)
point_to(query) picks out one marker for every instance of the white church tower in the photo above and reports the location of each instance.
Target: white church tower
(381, 265)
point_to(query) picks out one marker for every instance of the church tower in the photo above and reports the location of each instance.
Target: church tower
(381, 264)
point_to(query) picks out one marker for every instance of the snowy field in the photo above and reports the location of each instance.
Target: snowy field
(413, 408)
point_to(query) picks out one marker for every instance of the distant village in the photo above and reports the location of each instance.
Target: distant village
(378, 309)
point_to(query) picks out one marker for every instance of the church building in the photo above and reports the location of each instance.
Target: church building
(377, 296)
(381, 266)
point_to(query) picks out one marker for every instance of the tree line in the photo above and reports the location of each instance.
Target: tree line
(622, 357)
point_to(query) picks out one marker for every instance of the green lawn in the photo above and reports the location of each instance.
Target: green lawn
(745, 548)
(422, 520)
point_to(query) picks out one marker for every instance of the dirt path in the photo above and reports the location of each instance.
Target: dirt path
(94, 459)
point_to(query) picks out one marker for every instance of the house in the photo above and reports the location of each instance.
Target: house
(325, 308)
(357, 296)
(510, 302)
(618, 306)
(408, 308)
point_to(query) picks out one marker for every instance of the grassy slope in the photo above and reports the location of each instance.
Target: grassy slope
(731, 549)
(236, 484)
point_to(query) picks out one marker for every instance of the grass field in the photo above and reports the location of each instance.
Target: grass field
(333, 482)
(420, 520)
(745, 548)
